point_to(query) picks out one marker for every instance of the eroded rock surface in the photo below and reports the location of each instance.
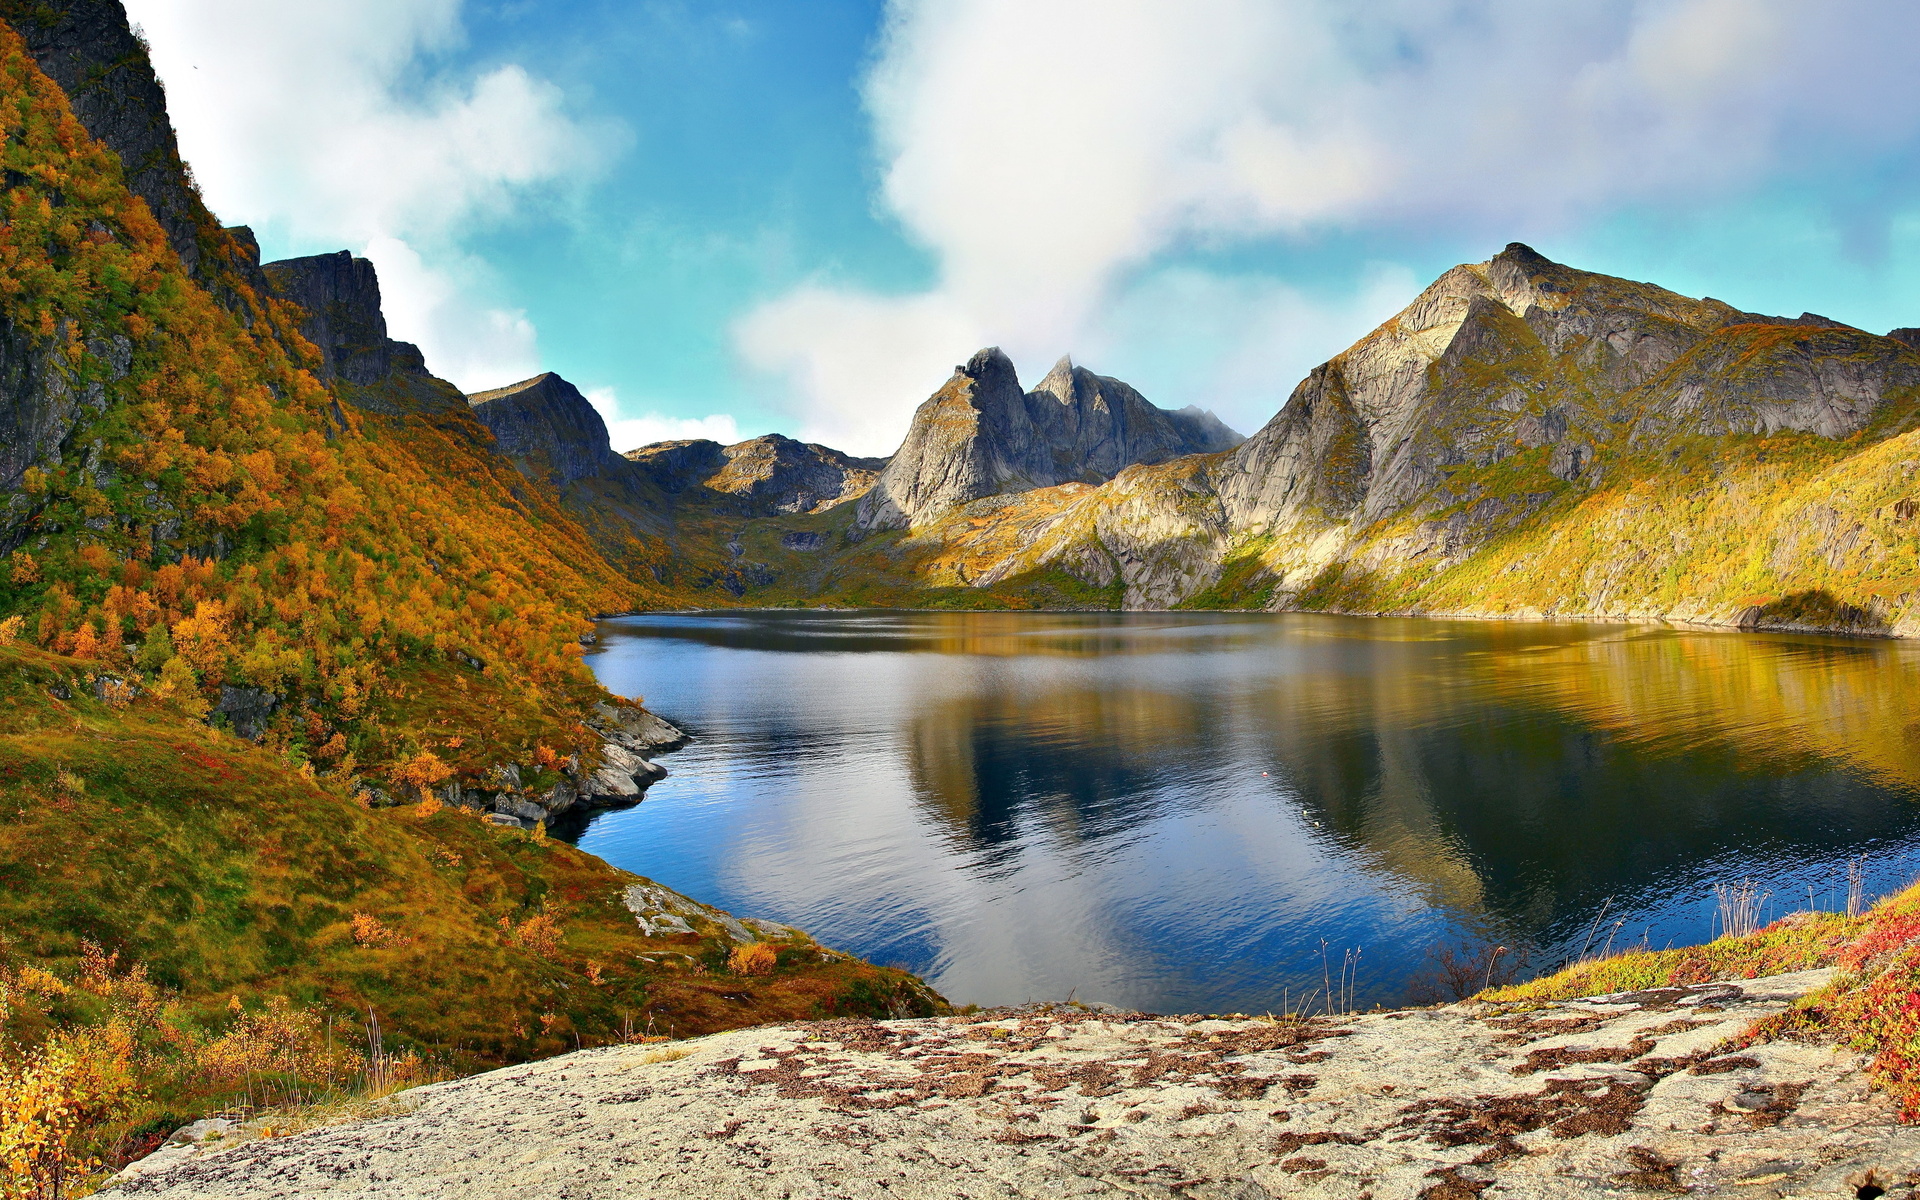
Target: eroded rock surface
(545, 421)
(1609, 1096)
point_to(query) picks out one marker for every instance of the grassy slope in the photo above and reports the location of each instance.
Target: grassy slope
(227, 873)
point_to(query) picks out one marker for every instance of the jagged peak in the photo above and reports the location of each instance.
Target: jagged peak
(1522, 256)
(988, 361)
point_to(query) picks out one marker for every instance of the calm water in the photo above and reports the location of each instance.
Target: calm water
(1197, 812)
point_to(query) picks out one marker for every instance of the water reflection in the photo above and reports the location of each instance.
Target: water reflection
(1175, 811)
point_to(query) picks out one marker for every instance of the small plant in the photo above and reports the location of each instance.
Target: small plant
(48, 1101)
(1738, 907)
(754, 958)
(369, 931)
(539, 934)
(10, 629)
(421, 772)
(69, 783)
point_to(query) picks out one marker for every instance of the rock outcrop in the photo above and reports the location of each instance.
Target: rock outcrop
(344, 319)
(981, 435)
(770, 474)
(1602, 1097)
(545, 424)
(624, 770)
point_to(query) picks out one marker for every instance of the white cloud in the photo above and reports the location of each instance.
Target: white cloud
(1048, 151)
(628, 433)
(305, 120)
(856, 357)
(472, 346)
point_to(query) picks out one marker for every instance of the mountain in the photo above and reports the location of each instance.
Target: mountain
(771, 474)
(545, 422)
(980, 435)
(1529, 439)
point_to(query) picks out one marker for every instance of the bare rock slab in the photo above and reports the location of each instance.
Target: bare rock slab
(1618, 1095)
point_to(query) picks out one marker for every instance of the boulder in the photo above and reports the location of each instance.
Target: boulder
(246, 710)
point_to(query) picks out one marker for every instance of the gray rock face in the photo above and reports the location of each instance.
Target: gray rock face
(630, 735)
(545, 421)
(676, 466)
(1908, 337)
(1613, 1095)
(247, 710)
(45, 403)
(341, 296)
(88, 48)
(980, 435)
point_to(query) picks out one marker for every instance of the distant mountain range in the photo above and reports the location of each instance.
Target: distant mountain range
(1523, 439)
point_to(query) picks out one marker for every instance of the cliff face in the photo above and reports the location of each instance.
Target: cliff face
(981, 435)
(545, 423)
(340, 296)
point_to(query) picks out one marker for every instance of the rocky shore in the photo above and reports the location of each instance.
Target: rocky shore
(629, 738)
(1643, 1093)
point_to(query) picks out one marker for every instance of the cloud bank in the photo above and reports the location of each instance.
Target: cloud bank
(1051, 154)
(307, 121)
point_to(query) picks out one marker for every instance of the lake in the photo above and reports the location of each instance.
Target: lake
(1224, 812)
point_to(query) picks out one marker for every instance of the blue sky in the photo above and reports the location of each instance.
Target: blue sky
(726, 218)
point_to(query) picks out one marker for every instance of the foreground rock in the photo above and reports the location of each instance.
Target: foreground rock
(1614, 1095)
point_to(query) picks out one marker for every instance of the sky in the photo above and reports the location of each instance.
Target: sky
(722, 218)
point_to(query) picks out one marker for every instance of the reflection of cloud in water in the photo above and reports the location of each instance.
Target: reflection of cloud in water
(1022, 805)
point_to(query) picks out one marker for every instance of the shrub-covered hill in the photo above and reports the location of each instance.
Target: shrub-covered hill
(239, 893)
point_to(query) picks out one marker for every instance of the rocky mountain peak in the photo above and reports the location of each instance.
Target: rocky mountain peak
(990, 366)
(547, 427)
(981, 435)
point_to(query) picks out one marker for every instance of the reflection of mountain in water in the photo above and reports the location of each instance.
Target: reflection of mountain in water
(1517, 784)
(1082, 762)
(1175, 809)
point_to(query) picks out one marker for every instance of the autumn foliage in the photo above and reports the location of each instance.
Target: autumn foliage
(220, 516)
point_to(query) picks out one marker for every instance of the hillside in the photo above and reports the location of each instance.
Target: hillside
(194, 916)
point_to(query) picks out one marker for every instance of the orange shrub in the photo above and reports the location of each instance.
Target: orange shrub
(369, 930)
(754, 958)
(420, 772)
